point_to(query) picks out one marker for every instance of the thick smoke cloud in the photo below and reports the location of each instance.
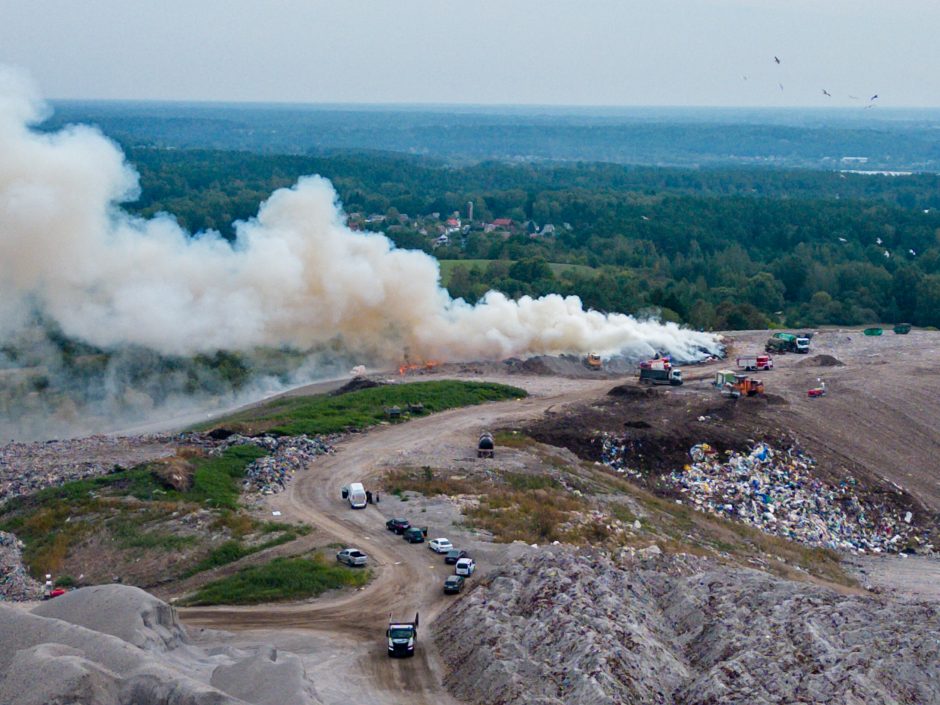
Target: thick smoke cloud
(295, 276)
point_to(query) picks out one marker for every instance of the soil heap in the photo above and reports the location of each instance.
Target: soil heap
(563, 626)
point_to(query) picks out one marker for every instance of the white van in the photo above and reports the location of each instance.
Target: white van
(357, 495)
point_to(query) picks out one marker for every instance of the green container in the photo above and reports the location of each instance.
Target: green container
(874, 331)
(902, 328)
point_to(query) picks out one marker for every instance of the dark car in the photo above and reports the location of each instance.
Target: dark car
(413, 535)
(399, 526)
(453, 584)
(455, 555)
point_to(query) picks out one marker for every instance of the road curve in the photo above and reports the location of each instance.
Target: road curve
(407, 578)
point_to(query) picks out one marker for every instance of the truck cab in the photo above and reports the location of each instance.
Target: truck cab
(802, 345)
(402, 637)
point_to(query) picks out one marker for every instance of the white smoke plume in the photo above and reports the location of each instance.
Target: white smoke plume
(295, 275)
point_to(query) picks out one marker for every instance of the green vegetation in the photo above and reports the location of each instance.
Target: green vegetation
(330, 414)
(281, 579)
(235, 550)
(217, 481)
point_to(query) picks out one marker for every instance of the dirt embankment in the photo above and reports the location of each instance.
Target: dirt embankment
(562, 626)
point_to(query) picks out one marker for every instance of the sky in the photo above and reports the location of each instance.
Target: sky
(539, 52)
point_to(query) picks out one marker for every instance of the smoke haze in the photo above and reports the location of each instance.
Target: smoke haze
(295, 275)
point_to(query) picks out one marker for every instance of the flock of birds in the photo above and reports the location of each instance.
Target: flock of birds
(879, 241)
(869, 104)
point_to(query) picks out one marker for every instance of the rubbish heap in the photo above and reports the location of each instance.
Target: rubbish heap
(270, 474)
(776, 492)
(15, 583)
(614, 452)
(26, 468)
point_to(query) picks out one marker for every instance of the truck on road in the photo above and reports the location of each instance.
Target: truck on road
(402, 637)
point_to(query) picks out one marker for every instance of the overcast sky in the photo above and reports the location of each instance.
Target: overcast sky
(592, 52)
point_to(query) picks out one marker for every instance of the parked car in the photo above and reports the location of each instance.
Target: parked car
(453, 584)
(440, 545)
(454, 555)
(465, 566)
(399, 526)
(352, 556)
(414, 535)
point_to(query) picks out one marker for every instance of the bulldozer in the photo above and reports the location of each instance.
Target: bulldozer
(743, 386)
(593, 361)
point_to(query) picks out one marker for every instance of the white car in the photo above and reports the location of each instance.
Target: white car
(440, 545)
(465, 566)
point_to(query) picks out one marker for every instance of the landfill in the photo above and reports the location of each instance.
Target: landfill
(15, 583)
(271, 473)
(777, 492)
(614, 454)
(26, 468)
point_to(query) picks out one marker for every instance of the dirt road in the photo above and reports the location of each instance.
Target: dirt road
(349, 628)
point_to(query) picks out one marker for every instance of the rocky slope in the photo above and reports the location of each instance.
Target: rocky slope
(562, 626)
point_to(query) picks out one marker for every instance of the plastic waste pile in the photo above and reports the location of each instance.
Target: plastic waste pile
(777, 492)
(15, 583)
(270, 474)
(615, 451)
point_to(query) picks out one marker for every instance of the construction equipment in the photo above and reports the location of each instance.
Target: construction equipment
(402, 637)
(486, 447)
(755, 362)
(787, 342)
(593, 361)
(743, 386)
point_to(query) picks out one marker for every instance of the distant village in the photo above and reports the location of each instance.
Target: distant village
(449, 229)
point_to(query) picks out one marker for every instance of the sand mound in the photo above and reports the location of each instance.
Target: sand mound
(126, 612)
(576, 627)
(114, 644)
(821, 361)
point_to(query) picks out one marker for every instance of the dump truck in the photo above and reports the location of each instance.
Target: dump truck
(593, 361)
(755, 362)
(402, 637)
(486, 446)
(787, 342)
(661, 375)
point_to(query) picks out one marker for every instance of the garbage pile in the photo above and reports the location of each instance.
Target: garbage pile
(26, 468)
(776, 491)
(15, 583)
(615, 451)
(287, 454)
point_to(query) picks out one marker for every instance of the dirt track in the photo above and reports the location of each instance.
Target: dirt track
(408, 578)
(880, 417)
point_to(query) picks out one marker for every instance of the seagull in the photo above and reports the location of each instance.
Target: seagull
(874, 97)
(913, 254)
(842, 239)
(878, 240)
(781, 86)
(777, 59)
(745, 78)
(887, 254)
(826, 93)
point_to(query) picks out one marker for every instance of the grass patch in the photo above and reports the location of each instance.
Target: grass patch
(217, 480)
(424, 481)
(323, 414)
(281, 579)
(235, 550)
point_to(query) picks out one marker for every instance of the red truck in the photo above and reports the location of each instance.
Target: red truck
(755, 362)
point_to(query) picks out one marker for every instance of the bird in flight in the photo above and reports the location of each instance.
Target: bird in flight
(853, 97)
(874, 97)
(777, 59)
(826, 93)
(781, 86)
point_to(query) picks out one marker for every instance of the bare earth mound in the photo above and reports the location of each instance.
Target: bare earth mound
(821, 361)
(566, 627)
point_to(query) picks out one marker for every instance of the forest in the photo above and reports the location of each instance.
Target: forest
(721, 248)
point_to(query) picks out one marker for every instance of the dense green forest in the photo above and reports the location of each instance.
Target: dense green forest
(722, 248)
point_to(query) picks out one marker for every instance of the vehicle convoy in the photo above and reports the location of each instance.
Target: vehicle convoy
(660, 372)
(352, 557)
(356, 494)
(787, 342)
(402, 637)
(755, 362)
